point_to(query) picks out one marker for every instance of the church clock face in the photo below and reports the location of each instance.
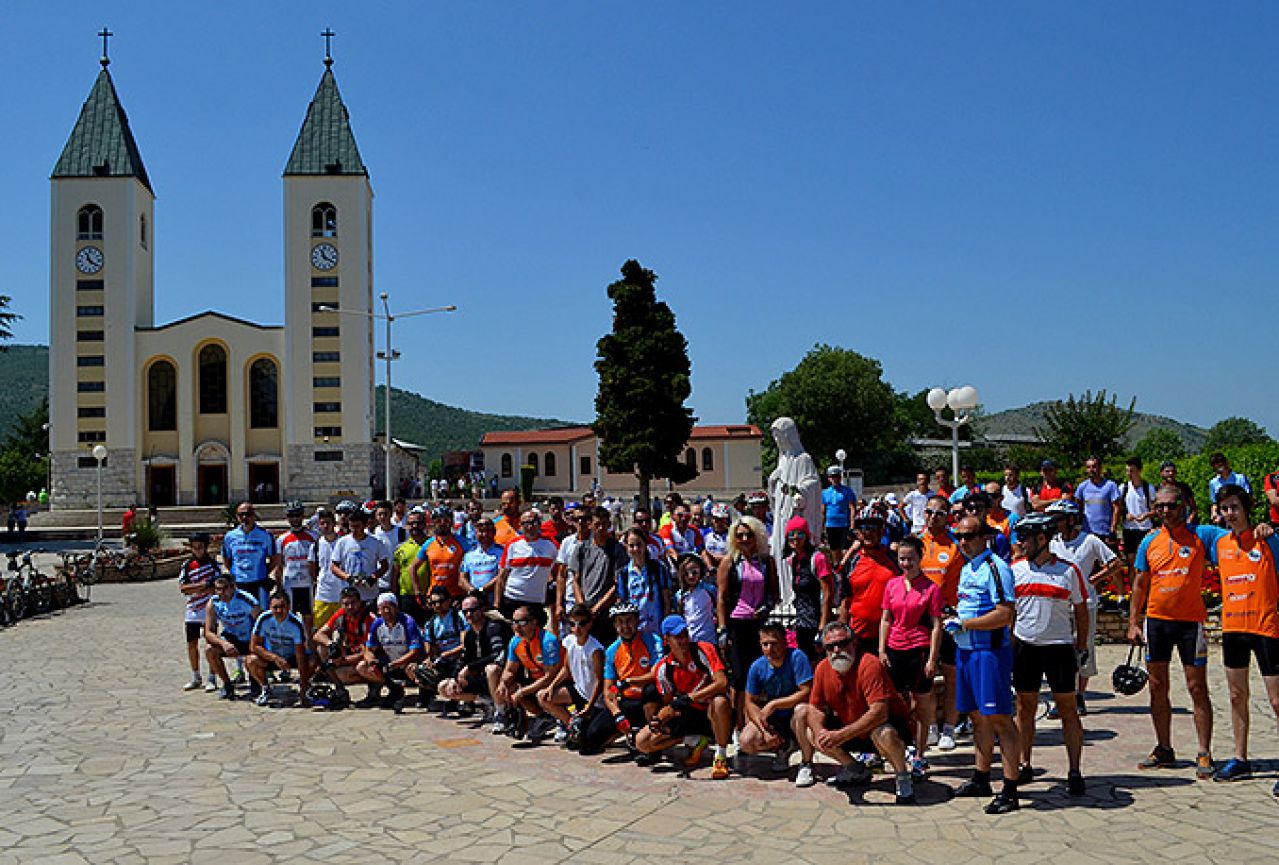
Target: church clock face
(324, 256)
(89, 260)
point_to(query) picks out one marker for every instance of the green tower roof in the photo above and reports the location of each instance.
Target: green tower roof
(102, 145)
(326, 144)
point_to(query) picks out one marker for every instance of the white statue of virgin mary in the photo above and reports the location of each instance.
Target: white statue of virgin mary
(794, 488)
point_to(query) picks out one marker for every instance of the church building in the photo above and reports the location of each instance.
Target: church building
(210, 408)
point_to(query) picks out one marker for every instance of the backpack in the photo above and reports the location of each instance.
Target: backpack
(1146, 489)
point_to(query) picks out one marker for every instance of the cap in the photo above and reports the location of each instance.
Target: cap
(1048, 464)
(891, 498)
(834, 470)
(199, 537)
(673, 626)
(759, 497)
(388, 598)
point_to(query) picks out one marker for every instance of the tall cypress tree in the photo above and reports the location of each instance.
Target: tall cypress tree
(640, 416)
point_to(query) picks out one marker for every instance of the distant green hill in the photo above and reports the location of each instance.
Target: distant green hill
(1024, 420)
(440, 428)
(24, 381)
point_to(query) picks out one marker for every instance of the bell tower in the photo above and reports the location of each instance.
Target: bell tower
(328, 273)
(100, 290)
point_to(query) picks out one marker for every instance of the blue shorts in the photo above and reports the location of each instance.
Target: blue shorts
(984, 680)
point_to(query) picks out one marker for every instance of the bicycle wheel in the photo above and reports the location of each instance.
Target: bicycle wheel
(87, 570)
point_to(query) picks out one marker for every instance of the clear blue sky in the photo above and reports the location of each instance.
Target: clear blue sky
(1032, 198)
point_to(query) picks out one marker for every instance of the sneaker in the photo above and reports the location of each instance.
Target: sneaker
(965, 728)
(645, 760)
(371, 699)
(393, 699)
(804, 777)
(1003, 804)
(919, 768)
(263, 698)
(1203, 765)
(905, 790)
(695, 753)
(1274, 791)
(539, 728)
(211, 686)
(238, 678)
(561, 734)
(1053, 713)
(1160, 758)
(933, 737)
(853, 775)
(781, 760)
(946, 741)
(1025, 774)
(1075, 784)
(228, 693)
(719, 769)
(498, 728)
(255, 690)
(1081, 705)
(973, 789)
(1234, 770)
(193, 685)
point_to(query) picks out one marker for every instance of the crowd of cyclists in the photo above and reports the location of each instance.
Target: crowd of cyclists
(913, 621)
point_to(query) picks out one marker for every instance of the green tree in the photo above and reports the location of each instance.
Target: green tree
(1159, 445)
(838, 399)
(1234, 432)
(29, 433)
(1086, 426)
(20, 474)
(645, 377)
(7, 318)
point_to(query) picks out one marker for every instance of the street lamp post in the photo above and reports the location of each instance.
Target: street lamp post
(840, 456)
(99, 454)
(389, 355)
(962, 401)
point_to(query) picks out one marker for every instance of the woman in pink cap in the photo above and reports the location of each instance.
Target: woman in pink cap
(814, 586)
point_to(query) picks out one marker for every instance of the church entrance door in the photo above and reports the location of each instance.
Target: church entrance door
(161, 492)
(211, 485)
(264, 483)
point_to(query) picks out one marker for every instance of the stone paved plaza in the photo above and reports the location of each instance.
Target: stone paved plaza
(104, 759)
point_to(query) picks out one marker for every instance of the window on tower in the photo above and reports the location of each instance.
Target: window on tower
(142, 231)
(264, 399)
(162, 397)
(89, 223)
(324, 220)
(213, 380)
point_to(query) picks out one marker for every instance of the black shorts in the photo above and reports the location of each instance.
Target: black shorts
(946, 652)
(690, 722)
(780, 724)
(1056, 662)
(193, 630)
(1163, 635)
(743, 650)
(906, 670)
(633, 709)
(1237, 647)
(837, 537)
(1132, 540)
(241, 646)
(301, 600)
(476, 682)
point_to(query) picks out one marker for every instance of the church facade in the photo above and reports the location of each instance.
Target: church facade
(211, 408)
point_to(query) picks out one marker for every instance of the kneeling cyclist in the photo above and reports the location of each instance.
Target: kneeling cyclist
(228, 626)
(278, 643)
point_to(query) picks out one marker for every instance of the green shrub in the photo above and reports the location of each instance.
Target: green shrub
(1255, 461)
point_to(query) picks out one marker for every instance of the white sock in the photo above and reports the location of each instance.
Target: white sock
(720, 753)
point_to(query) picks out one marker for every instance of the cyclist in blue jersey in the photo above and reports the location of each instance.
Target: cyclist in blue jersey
(248, 554)
(278, 643)
(228, 627)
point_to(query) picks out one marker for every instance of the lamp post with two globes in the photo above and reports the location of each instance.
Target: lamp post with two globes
(961, 401)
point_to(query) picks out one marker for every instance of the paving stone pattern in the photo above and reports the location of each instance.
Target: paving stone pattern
(104, 759)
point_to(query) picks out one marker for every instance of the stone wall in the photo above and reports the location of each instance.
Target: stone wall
(329, 481)
(1112, 627)
(76, 487)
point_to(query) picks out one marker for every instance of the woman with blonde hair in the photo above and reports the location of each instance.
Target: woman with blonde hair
(748, 590)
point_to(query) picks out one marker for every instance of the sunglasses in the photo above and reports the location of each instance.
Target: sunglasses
(969, 536)
(243, 514)
(1167, 505)
(837, 644)
(469, 610)
(934, 513)
(796, 536)
(745, 536)
(521, 621)
(581, 623)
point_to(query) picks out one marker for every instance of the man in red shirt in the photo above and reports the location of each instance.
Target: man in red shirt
(1272, 496)
(873, 565)
(853, 709)
(1050, 487)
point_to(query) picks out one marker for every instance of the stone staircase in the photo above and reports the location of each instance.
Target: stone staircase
(177, 522)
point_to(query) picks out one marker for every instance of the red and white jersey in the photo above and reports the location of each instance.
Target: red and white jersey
(294, 549)
(530, 569)
(1046, 596)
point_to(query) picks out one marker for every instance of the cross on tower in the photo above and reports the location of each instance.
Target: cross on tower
(328, 35)
(105, 34)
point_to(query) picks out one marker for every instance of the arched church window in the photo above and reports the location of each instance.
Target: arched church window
(532, 461)
(162, 397)
(549, 464)
(264, 394)
(213, 380)
(324, 220)
(708, 460)
(89, 223)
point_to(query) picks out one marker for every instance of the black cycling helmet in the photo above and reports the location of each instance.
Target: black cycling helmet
(1035, 524)
(293, 508)
(1063, 508)
(346, 506)
(1128, 679)
(199, 538)
(623, 608)
(443, 512)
